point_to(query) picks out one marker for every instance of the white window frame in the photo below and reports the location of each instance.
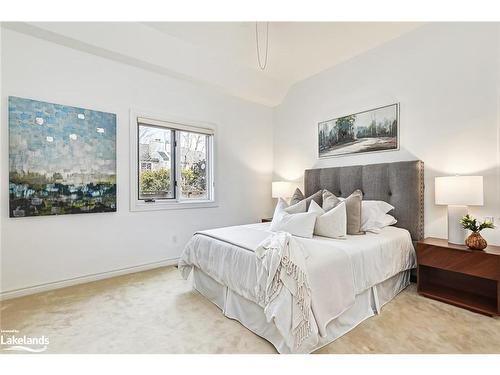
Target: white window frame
(169, 122)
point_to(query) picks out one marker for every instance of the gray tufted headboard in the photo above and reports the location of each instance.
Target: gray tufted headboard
(400, 184)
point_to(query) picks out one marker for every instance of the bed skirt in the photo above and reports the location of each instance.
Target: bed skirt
(251, 315)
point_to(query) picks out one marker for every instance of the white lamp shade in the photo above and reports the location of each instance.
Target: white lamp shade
(459, 190)
(282, 189)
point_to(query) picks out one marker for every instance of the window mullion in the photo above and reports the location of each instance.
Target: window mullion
(176, 166)
(209, 178)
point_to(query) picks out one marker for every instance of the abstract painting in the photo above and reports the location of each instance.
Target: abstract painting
(62, 160)
(368, 131)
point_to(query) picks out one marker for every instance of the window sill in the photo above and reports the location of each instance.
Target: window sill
(158, 205)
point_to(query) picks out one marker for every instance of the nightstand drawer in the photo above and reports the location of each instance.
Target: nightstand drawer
(474, 263)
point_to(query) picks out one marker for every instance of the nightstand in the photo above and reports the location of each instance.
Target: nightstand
(267, 220)
(459, 276)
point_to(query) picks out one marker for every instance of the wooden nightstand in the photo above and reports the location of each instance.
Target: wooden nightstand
(267, 220)
(457, 275)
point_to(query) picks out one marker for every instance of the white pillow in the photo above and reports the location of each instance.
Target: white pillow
(332, 223)
(299, 224)
(297, 207)
(282, 207)
(380, 205)
(385, 221)
(373, 214)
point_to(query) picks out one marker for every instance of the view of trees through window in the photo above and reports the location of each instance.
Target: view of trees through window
(193, 154)
(157, 163)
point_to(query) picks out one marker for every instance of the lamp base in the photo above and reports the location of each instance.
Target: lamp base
(456, 234)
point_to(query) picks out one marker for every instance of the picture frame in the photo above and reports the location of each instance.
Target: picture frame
(369, 131)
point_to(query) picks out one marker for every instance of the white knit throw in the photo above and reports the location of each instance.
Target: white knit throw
(283, 259)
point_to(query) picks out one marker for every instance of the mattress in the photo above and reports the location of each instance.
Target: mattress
(374, 257)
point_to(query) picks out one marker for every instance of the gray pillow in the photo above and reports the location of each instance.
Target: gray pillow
(329, 200)
(298, 196)
(353, 207)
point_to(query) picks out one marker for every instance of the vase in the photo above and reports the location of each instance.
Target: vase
(476, 242)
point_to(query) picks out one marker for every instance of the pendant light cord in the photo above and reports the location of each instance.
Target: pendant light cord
(262, 66)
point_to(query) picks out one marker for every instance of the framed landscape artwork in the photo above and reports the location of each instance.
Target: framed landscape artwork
(62, 160)
(369, 131)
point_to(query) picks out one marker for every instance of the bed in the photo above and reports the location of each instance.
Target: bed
(351, 279)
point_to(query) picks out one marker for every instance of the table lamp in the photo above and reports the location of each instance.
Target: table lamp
(458, 192)
(282, 189)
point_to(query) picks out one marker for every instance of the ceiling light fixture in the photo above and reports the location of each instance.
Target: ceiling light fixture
(262, 66)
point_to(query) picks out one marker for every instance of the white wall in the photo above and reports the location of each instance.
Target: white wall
(41, 250)
(1, 163)
(446, 77)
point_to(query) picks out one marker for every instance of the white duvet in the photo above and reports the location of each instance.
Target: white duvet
(337, 269)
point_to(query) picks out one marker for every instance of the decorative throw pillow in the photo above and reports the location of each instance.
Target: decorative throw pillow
(329, 200)
(353, 208)
(298, 224)
(333, 223)
(298, 196)
(282, 207)
(297, 207)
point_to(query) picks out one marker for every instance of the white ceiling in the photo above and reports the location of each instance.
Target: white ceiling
(223, 54)
(297, 50)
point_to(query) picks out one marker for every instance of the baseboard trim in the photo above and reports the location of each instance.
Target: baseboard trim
(15, 293)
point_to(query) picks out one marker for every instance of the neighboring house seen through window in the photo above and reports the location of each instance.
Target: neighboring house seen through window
(174, 162)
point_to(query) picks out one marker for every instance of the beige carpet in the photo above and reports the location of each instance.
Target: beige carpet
(157, 312)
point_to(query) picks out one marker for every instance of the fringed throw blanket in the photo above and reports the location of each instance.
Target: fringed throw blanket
(270, 270)
(281, 266)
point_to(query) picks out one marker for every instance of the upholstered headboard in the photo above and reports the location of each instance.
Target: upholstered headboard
(400, 184)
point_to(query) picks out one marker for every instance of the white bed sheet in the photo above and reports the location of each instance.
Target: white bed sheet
(374, 258)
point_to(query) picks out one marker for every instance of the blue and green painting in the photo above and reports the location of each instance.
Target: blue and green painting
(62, 160)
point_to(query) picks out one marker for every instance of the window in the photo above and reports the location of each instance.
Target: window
(173, 165)
(193, 165)
(155, 172)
